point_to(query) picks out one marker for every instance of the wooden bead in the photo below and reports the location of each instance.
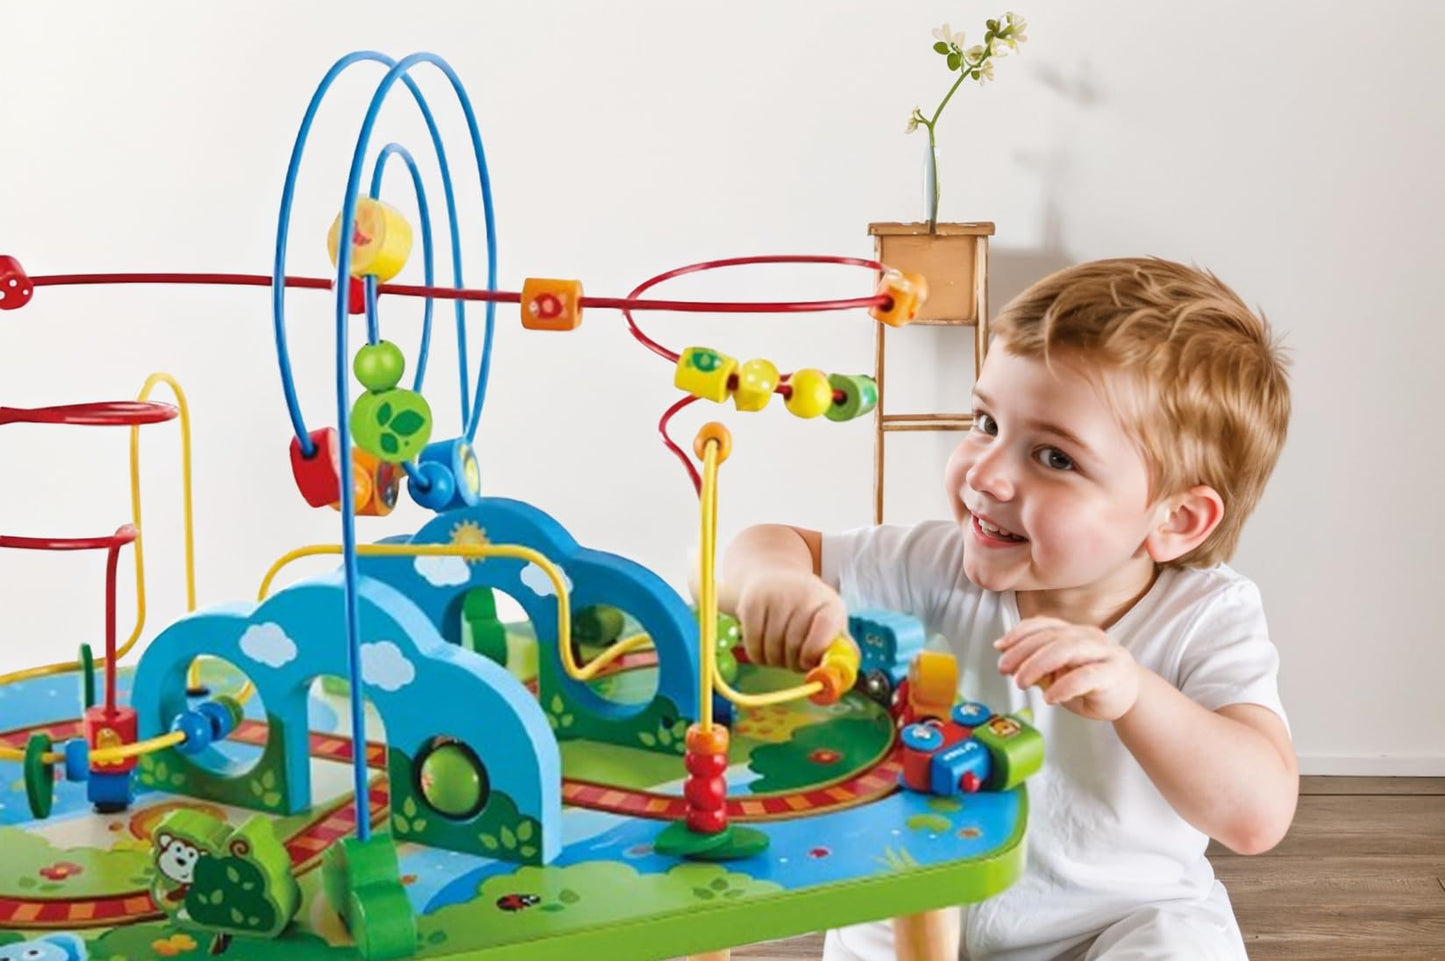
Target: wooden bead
(932, 684)
(379, 366)
(703, 372)
(375, 484)
(393, 425)
(757, 379)
(842, 656)
(380, 240)
(811, 394)
(708, 822)
(318, 477)
(705, 793)
(860, 396)
(551, 304)
(906, 294)
(713, 741)
(713, 432)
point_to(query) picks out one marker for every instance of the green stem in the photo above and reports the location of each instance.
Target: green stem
(951, 90)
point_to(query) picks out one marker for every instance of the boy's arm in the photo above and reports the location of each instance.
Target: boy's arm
(770, 584)
(1231, 773)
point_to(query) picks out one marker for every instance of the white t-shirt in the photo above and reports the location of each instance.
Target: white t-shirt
(1102, 839)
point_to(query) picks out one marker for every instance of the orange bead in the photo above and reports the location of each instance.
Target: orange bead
(551, 304)
(374, 484)
(713, 432)
(712, 741)
(832, 682)
(905, 292)
(811, 394)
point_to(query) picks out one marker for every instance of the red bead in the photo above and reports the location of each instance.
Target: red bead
(318, 477)
(705, 765)
(705, 793)
(355, 296)
(707, 822)
(969, 782)
(15, 286)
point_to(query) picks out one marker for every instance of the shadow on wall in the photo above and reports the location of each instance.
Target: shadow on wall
(1012, 271)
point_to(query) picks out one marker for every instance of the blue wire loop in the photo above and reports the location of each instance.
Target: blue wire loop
(398, 70)
(373, 322)
(470, 413)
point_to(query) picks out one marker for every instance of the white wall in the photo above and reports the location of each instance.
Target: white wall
(1295, 149)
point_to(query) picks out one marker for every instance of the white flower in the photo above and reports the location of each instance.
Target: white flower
(998, 47)
(1018, 23)
(984, 73)
(913, 120)
(976, 54)
(943, 33)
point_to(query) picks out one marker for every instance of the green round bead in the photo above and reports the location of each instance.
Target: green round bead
(392, 425)
(379, 366)
(453, 782)
(860, 396)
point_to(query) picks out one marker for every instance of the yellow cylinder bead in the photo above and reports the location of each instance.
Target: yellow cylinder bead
(842, 656)
(757, 379)
(704, 372)
(811, 395)
(551, 303)
(380, 240)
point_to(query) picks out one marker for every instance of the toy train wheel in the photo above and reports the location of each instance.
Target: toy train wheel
(39, 775)
(878, 686)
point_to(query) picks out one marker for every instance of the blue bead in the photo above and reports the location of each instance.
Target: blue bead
(437, 487)
(77, 759)
(197, 729)
(220, 718)
(922, 737)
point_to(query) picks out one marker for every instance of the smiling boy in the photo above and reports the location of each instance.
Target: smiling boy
(1125, 421)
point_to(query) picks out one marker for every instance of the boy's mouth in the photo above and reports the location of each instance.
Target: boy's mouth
(993, 532)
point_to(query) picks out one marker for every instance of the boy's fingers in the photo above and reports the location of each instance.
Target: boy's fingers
(1056, 658)
(1012, 657)
(1028, 628)
(1079, 682)
(822, 628)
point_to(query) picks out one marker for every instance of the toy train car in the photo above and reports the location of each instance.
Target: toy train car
(973, 750)
(888, 641)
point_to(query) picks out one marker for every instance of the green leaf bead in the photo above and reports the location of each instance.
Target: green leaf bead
(393, 425)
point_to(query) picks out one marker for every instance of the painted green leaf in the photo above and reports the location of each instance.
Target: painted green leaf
(528, 850)
(50, 886)
(488, 842)
(719, 884)
(557, 706)
(268, 780)
(398, 822)
(703, 893)
(945, 805)
(734, 893)
(524, 831)
(436, 937)
(178, 780)
(217, 896)
(408, 807)
(162, 772)
(383, 414)
(568, 896)
(567, 720)
(646, 738)
(928, 822)
(419, 825)
(271, 799)
(28, 882)
(509, 840)
(237, 917)
(233, 875)
(389, 443)
(408, 422)
(257, 789)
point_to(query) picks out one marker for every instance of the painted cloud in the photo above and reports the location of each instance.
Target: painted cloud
(536, 579)
(385, 666)
(268, 644)
(443, 571)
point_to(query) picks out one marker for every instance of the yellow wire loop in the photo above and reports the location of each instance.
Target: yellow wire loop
(475, 551)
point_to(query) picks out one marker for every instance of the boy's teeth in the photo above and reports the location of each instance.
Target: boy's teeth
(997, 531)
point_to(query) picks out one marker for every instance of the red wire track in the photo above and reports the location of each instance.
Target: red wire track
(113, 413)
(500, 296)
(124, 534)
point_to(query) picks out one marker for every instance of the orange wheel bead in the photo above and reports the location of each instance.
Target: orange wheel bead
(832, 681)
(714, 741)
(709, 432)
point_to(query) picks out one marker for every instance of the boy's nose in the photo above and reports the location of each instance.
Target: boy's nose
(991, 475)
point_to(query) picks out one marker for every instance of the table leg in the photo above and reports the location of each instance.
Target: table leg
(931, 936)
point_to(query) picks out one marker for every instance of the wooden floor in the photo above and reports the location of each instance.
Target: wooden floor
(1361, 875)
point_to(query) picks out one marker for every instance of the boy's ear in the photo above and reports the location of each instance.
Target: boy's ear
(1188, 518)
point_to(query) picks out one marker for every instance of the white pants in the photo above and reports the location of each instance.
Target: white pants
(1197, 930)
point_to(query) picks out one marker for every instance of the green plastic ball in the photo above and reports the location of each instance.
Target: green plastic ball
(392, 425)
(453, 782)
(379, 366)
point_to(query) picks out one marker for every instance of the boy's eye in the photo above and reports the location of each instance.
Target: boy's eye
(1055, 459)
(985, 423)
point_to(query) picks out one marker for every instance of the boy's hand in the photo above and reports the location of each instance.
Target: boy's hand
(789, 618)
(1081, 668)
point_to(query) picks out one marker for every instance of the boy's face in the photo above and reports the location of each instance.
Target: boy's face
(1052, 489)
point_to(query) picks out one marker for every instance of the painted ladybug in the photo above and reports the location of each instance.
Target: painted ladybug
(517, 902)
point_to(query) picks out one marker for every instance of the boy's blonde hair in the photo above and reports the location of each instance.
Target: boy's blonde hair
(1213, 401)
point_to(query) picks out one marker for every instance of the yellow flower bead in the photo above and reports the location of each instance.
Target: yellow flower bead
(380, 240)
(811, 395)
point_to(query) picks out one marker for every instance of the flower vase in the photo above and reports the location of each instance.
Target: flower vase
(930, 184)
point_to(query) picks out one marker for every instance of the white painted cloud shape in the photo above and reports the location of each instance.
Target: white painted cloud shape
(541, 585)
(383, 665)
(268, 644)
(440, 571)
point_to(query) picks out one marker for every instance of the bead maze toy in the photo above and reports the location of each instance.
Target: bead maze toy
(371, 763)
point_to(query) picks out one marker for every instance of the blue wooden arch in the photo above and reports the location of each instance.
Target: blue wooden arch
(435, 584)
(422, 687)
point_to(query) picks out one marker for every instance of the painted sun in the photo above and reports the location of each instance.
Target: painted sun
(469, 534)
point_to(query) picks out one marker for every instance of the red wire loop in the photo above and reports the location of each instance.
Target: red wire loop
(112, 413)
(681, 454)
(124, 534)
